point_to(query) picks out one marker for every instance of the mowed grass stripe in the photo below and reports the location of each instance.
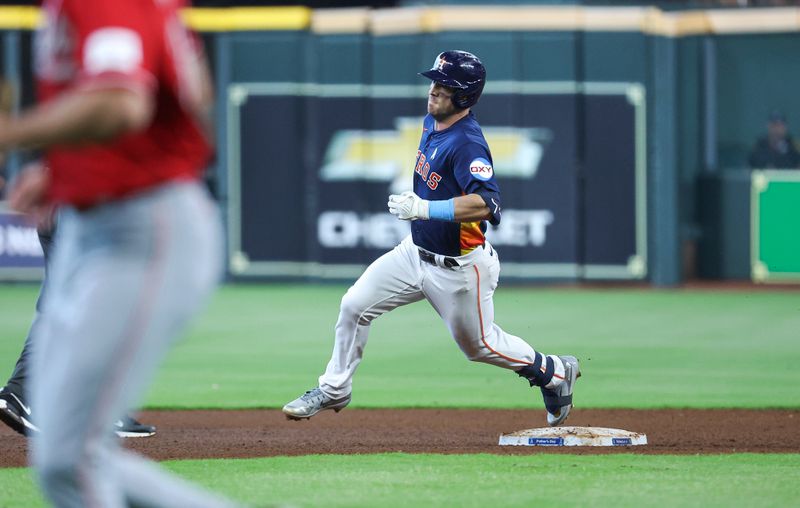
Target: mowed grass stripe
(544, 479)
(259, 346)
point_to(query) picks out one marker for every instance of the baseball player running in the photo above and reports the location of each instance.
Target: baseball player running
(124, 119)
(446, 259)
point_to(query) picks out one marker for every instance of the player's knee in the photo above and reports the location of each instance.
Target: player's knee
(352, 309)
(478, 355)
(475, 351)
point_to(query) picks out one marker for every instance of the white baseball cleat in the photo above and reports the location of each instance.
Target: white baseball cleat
(311, 403)
(15, 414)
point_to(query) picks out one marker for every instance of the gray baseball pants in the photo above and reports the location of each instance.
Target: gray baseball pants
(461, 295)
(125, 279)
(18, 380)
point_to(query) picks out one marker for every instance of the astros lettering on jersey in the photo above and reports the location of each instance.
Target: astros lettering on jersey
(454, 162)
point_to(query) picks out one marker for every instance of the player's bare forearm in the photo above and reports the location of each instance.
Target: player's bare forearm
(76, 117)
(470, 208)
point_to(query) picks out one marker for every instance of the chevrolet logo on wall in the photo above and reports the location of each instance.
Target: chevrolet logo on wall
(388, 155)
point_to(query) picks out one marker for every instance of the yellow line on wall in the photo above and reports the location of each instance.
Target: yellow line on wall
(416, 20)
(248, 18)
(18, 17)
(206, 20)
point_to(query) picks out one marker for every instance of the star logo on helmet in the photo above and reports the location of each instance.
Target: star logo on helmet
(442, 63)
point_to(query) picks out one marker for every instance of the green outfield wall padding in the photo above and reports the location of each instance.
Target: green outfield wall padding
(777, 223)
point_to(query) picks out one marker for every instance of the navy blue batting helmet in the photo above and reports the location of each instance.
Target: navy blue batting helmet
(461, 71)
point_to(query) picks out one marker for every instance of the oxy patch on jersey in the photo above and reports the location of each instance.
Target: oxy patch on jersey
(481, 169)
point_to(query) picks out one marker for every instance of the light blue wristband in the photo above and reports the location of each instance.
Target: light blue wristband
(442, 210)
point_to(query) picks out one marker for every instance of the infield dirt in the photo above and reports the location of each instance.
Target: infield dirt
(266, 433)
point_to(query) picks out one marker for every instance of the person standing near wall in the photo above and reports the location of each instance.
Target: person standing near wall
(775, 150)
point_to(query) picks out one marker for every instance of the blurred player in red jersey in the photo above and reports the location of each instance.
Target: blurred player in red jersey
(124, 121)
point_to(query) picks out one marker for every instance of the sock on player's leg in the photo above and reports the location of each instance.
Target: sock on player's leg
(545, 371)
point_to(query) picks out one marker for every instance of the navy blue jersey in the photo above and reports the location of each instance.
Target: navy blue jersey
(454, 162)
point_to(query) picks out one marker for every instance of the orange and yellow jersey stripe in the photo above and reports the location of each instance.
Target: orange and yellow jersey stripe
(471, 236)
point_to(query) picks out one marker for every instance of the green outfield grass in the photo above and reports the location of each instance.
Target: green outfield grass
(262, 345)
(399, 480)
